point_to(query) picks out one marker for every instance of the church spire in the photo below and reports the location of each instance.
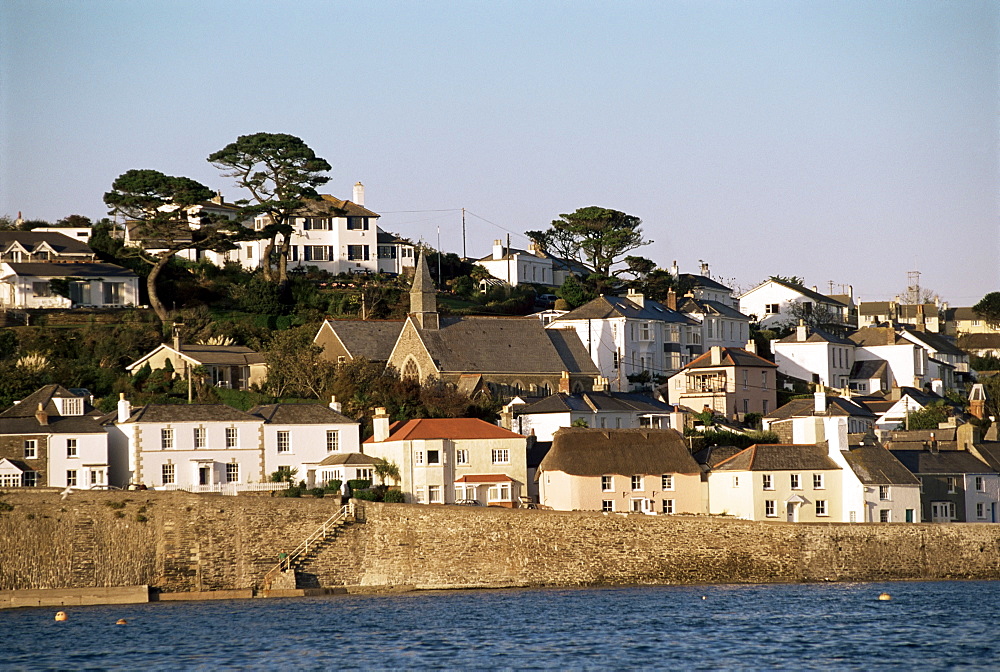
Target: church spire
(423, 297)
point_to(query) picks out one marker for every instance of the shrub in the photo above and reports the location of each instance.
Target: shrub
(359, 484)
(119, 514)
(317, 492)
(6, 506)
(394, 497)
(334, 485)
(114, 505)
(366, 495)
(141, 518)
(293, 491)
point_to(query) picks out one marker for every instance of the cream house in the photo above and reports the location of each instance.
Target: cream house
(448, 460)
(730, 381)
(233, 366)
(629, 470)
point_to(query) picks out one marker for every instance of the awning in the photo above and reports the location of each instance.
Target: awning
(796, 499)
(485, 478)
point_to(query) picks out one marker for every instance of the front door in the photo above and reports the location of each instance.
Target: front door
(204, 475)
(942, 512)
(792, 509)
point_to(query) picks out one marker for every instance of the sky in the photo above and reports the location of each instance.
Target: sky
(845, 142)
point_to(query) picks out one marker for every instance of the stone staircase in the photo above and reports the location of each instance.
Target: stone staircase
(289, 573)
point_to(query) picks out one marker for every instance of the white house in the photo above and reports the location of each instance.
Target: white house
(599, 410)
(815, 356)
(909, 364)
(33, 285)
(771, 301)
(633, 336)
(518, 267)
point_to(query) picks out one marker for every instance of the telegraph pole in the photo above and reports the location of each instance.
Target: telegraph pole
(464, 253)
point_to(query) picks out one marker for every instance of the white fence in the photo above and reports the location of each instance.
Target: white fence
(227, 488)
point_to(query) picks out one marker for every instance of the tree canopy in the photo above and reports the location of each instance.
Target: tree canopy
(157, 206)
(600, 239)
(281, 173)
(988, 308)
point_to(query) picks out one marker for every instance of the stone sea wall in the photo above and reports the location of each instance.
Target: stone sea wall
(184, 542)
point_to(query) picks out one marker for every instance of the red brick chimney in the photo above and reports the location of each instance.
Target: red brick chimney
(564, 383)
(41, 415)
(671, 299)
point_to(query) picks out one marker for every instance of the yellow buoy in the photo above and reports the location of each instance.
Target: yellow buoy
(121, 621)
(885, 597)
(61, 616)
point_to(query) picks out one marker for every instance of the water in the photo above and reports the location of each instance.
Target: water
(933, 625)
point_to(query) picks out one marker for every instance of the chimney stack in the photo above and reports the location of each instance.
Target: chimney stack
(176, 335)
(335, 405)
(716, 355)
(497, 249)
(41, 415)
(601, 384)
(671, 299)
(636, 298)
(751, 346)
(564, 383)
(380, 423)
(704, 268)
(359, 194)
(801, 331)
(675, 269)
(819, 400)
(124, 408)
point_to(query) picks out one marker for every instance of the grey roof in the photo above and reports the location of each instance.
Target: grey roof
(910, 310)
(371, 339)
(606, 307)
(190, 413)
(580, 451)
(778, 457)
(61, 244)
(731, 357)
(980, 341)
(72, 270)
(875, 308)
(713, 455)
(943, 462)
(816, 336)
(509, 253)
(386, 237)
(348, 458)
(806, 292)
(874, 465)
(873, 336)
(866, 369)
(495, 345)
(212, 355)
(344, 208)
(20, 418)
(962, 313)
(703, 281)
(935, 342)
(801, 408)
(690, 305)
(299, 414)
(589, 402)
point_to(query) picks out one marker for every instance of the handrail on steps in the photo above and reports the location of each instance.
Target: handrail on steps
(285, 563)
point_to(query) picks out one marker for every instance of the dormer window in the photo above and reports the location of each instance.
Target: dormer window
(69, 405)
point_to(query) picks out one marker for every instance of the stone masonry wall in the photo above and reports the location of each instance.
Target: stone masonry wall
(210, 542)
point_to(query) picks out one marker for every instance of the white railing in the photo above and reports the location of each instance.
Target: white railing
(320, 535)
(226, 488)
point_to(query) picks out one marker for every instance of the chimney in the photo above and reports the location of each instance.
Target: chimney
(801, 331)
(218, 199)
(850, 291)
(704, 268)
(636, 298)
(534, 248)
(671, 299)
(933, 446)
(335, 405)
(359, 194)
(380, 424)
(751, 346)
(921, 320)
(176, 335)
(967, 435)
(497, 249)
(819, 400)
(124, 408)
(815, 288)
(977, 401)
(507, 417)
(716, 355)
(41, 415)
(601, 384)
(564, 383)
(675, 269)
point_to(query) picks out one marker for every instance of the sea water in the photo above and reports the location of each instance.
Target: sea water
(926, 625)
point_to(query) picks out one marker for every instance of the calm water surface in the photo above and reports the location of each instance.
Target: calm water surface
(935, 625)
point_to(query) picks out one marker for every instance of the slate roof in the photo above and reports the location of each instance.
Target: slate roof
(778, 457)
(802, 408)
(713, 455)
(211, 355)
(989, 452)
(874, 465)
(706, 307)
(446, 428)
(499, 345)
(934, 341)
(348, 459)
(349, 208)
(20, 418)
(190, 413)
(909, 310)
(804, 291)
(943, 462)
(71, 270)
(872, 336)
(962, 313)
(581, 451)
(875, 308)
(731, 357)
(509, 253)
(589, 402)
(980, 341)
(385, 237)
(866, 369)
(703, 281)
(60, 243)
(299, 414)
(610, 307)
(371, 339)
(816, 336)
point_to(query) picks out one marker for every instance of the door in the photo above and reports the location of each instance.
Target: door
(204, 475)
(792, 510)
(942, 512)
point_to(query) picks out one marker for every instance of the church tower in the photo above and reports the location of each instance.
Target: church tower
(423, 297)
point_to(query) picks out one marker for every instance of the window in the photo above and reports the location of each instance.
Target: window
(821, 507)
(332, 440)
(952, 485)
(667, 482)
(645, 331)
(709, 324)
(764, 406)
(607, 505)
(357, 223)
(614, 356)
(232, 473)
(461, 456)
(636, 483)
(30, 479)
(768, 481)
(501, 456)
(72, 406)
(41, 289)
(365, 474)
(71, 478)
(113, 294)
(284, 442)
(418, 457)
(746, 385)
(796, 480)
(166, 439)
(818, 482)
(980, 510)
(30, 449)
(199, 437)
(357, 253)
(499, 492)
(668, 506)
(763, 380)
(317, 253)
(674, 333)
(980, 485)
(71, 448)
(232, 437)
(736, 481)
(636, 505)
(386, 252)
(421, 496)
(884, 516)
(434, 494)
(883, 493)
(770, 508)
(433, 457)
(607, 484)
(772, 309)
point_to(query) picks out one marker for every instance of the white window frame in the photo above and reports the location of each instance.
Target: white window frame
(168, 474)
(166, 438)
(667, 482)
(736, 481)
(795, 481)
(71, 478)
(72, 448)
(232, 437)
(418, 457)
(500, 455)
(30, 449)
(434, 494)
(284, 441)
(767, 481)
(669, 507)
(821, 508)
(462, 456)
(607, 483)
(884, 493)
(819, 482)
(200, 437)
(332, 440)
(608, 505)
(636, 483)
(770, 508)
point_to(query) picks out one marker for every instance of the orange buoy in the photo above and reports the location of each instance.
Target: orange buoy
(884, 597)
(121, 621)
(61, 616)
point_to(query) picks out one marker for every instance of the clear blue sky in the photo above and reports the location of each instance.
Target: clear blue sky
(844, 141)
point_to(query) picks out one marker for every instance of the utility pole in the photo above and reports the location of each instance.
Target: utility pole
(510, 257)
(464, 253)
(440, 284)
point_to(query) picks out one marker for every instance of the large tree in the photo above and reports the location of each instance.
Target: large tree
(281, 173)
(599, 238)
(156, 207)
(988, 308)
